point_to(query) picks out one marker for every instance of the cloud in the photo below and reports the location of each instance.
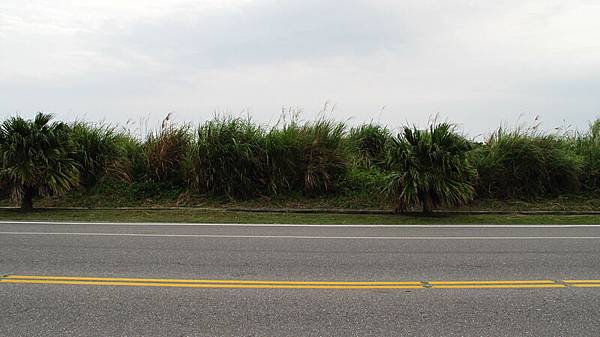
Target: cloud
(477, 63)
(267, 32)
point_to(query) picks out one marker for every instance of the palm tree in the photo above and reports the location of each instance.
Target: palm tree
(429, 168)
(36, 158)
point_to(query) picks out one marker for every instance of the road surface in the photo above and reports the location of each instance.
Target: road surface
(72, 279)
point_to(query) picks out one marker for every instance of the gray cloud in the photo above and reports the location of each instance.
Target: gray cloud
(476, 63)
(267, 32)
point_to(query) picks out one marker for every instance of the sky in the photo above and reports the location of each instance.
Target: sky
(479, 64)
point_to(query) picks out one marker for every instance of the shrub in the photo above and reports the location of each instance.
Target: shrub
(285, 164)
(228, 158)
(367, 144)
(142, 191)
(166, 153)
(4, 193)
(37, 158)
(4, 189)
(366, 180)
(236, 158)
(429, 168)
(587, 146)
(308, 158)
(521, 164)
(133, 160)
(98, 153)
(325, 161)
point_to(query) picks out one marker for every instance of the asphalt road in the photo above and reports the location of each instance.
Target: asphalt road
(146, 262)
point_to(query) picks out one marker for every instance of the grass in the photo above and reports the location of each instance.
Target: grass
(98, 153)
(367, 144)
(150, 194)
(229, 162)
(166, 153)
(201, 216)
(526, 163)
(587, 145)
(228, 158)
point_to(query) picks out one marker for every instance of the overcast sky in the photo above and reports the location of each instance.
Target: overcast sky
(476, 63)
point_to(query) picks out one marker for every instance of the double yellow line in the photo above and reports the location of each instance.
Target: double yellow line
(202, 283)
(267, 284)
(583, 283)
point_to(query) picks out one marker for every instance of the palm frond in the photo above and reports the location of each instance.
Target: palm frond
(37, 158)
(429, 168)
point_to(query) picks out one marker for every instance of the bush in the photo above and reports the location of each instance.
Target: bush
(166, 153)
(365, 180)
(229, 158)
(4, 189)
(37, 158)
(236, 158)
(147, 190)
(587, 146)
(285, 163)
(522, 164)
(367, 144)
(429, 168)
(325, 161)
(98, 153)
(133, 160)
(308, 158)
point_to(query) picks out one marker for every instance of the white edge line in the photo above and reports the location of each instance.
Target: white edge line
(314, 237)
(293, 225)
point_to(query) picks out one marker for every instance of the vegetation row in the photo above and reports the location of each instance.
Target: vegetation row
(236, 158)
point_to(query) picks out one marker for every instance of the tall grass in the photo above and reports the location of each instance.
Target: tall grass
(166, 152)
(325, 161)
(4, 188)
(229, 158)
(367, 144)
(285, 162)
(526, 163)
(587, 146)
(4, 184)
(237, 158)
(98, 153)
(307, 157)
(133, 157)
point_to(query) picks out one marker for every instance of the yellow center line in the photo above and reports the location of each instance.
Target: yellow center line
(586, 285)
(583, 283)
(27, 277)
(494, 282)
(198, 285)
(498, 286)
(273, 284)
